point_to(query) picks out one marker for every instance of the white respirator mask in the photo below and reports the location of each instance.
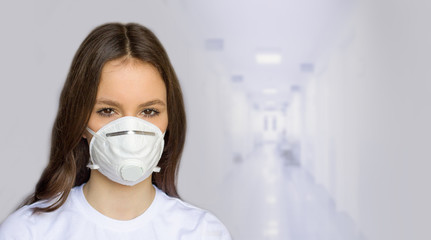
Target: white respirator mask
(126, 150)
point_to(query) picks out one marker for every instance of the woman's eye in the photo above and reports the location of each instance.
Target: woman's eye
(106, 112)
(150, 112)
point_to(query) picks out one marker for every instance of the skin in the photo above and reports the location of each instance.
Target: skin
(128, 87)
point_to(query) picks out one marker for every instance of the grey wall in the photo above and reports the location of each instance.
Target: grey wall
(370, 120)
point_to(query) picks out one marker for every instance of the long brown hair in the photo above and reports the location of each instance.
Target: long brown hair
(69, 150)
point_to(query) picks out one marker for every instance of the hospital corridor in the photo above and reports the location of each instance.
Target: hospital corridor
(308, 115)
(272, 195)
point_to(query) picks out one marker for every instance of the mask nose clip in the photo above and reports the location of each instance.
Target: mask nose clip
(130, 132)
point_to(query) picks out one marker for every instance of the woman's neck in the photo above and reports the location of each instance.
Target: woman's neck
(118, 201)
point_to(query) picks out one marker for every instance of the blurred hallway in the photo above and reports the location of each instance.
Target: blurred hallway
(272, 197)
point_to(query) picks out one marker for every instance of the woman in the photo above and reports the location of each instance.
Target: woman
(116, 146)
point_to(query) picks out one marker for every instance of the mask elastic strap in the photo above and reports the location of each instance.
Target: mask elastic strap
(91, 164)
(94, 134)
(91, 131)
(157, 169)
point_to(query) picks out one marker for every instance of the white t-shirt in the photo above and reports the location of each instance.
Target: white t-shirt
(166, 218)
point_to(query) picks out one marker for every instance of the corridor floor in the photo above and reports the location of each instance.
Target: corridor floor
(269, 198)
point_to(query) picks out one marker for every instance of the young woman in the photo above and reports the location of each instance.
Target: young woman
(116, 146)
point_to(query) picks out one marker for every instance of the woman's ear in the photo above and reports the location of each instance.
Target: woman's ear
(84, 134)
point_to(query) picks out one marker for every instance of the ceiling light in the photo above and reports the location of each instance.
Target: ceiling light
(270, 91)
(268, 58)
(271, 199)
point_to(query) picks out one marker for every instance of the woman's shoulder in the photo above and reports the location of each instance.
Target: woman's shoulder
(24, 223)
(19, 224)
(198, 220)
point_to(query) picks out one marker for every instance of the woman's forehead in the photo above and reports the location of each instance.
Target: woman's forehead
(131, 79)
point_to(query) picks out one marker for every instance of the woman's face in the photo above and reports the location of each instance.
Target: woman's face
(129, 88)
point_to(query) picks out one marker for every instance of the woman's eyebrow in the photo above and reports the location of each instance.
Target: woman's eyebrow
(152, 102)
(117, 104)
(108, 102)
